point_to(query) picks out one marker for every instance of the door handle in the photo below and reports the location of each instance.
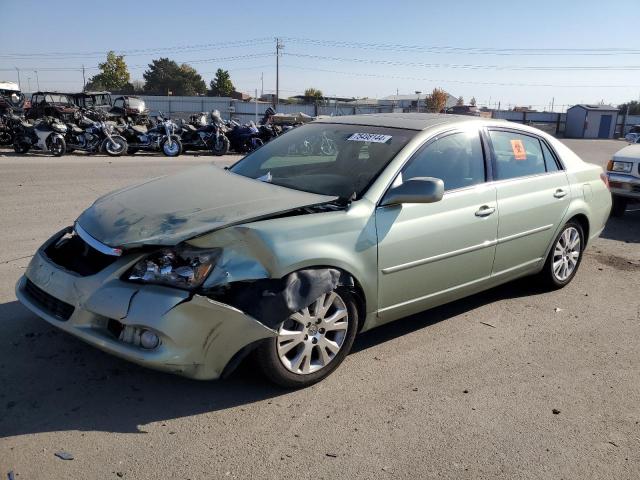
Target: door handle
(485, 211)
(559, 193)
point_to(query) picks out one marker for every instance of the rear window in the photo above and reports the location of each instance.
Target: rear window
(516, 155)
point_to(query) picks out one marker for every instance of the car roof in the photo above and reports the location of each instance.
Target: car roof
(409, 121)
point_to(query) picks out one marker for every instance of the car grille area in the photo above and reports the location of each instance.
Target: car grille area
(74, 254)
(48, 303)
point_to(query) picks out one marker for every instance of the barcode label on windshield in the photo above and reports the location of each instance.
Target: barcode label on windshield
(370, 137)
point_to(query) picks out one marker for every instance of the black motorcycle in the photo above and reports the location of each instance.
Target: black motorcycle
(94, 136)
(159, 137)
(243, 138)
(47, 135)
(199, 134)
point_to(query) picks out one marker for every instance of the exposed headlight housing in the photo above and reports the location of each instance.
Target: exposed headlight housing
(617, 166)
(180, 267)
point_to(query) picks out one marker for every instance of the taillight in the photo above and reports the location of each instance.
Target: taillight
(605, 179)
(610, 165)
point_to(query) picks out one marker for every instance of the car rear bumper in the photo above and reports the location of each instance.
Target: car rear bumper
(198, 336)
(624, 185)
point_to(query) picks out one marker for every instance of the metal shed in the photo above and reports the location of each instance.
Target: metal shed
(591, 121)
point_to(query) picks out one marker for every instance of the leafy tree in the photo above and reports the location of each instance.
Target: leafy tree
(313, 94)
(114, 74)
(221, 85)
(165, 76)
(436, 100)
(634, 107)
(460, 101)
(473, 101)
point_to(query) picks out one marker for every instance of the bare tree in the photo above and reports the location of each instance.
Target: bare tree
(460, 101)
(473, 101)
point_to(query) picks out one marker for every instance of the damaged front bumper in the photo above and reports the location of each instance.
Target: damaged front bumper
(198, 336)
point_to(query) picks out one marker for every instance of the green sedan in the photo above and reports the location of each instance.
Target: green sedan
(332, 229)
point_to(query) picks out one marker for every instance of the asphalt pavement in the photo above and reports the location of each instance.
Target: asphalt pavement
(516, 382)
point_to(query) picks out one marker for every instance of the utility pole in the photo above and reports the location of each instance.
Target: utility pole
(553, 100)
(29, 84)
(261, 84)
(18, 70)
(84, 80)
(37, 79)
(279, 46)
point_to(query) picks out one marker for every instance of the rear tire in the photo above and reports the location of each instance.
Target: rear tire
(21, 148)
(564, 257)
(172, 150)
(278, 363)
(618, 206)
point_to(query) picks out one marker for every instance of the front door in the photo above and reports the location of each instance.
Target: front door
(605, 126)
(533, 195)
(431, 253)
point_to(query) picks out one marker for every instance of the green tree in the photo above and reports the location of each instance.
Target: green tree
(313, 95)
(166, 77)
(473, 101)
(114, 74)
(221, 85)
(460, 101)
(634, 107)
(437, 100)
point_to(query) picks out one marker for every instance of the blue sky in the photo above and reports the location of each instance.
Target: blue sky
(395, 48)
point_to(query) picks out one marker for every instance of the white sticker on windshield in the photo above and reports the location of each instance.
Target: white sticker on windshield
(370, 137)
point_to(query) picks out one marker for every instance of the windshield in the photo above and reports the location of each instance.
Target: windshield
(136, 103)
(58, 99)
(329, 159)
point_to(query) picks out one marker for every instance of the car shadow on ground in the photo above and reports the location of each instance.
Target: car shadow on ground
(51, 381)
(626, 228)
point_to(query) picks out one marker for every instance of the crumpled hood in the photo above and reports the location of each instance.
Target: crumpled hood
(168, 210)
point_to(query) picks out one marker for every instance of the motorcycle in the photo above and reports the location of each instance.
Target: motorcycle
(160, 137)
(243, 138)
(6, 130)
(47, 134)
(199, 134)
(94, 136)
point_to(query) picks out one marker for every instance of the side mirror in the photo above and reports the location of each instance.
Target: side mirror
(415, 190)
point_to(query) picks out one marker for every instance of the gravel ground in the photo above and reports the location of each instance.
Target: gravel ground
(511, 383)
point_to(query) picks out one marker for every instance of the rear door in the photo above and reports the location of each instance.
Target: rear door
(533, 195)
(430, 253)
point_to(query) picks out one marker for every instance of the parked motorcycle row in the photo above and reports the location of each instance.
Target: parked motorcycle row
(93, 131)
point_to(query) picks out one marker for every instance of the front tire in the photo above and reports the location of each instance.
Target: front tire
(618, 206)
(57, 146)
(221, 146)
(115, 147)
(171, 150)
(312, 342)
(565, 257)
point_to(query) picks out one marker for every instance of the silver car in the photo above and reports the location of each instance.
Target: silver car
(296, 249)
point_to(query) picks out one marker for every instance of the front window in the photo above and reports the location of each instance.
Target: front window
(456, 159)
(329, 159)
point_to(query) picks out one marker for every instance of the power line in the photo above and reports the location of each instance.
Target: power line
(465, 66)
(444, 49)
(139, 52)
(466, 82)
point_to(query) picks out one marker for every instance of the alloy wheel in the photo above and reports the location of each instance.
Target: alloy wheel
(566, 254)
(310, 338)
